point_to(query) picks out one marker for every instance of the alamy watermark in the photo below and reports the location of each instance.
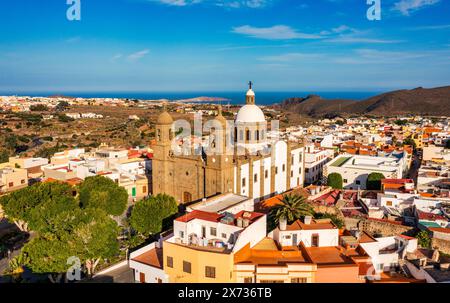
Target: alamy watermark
(374, 11)
(74, 11)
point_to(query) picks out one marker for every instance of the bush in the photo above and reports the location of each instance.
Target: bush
(39, 108)
(335, 181)
(374, 181)
(423, 238)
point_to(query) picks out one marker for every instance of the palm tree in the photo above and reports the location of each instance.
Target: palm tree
(291, 208)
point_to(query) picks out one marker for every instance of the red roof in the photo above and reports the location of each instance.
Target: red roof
(396, 181)
(430, 216)
(201, 215)
(440, 229)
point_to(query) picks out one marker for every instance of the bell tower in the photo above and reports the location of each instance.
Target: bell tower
(162, 162)
(219, 168)
(250, 97)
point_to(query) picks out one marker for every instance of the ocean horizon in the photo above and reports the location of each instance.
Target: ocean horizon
(262, 98)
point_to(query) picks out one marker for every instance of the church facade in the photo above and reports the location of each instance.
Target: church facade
(256, 167)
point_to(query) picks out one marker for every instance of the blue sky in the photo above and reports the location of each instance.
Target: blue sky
(218, 45)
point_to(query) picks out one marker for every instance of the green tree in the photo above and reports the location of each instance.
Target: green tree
(48, 255)
(335, 180)
(19, 206)
(374, 181)
(424, 239)
(103, 193)
(88, 234)
(39, 108)
(4, 156)
(149, 215)
(291, 208)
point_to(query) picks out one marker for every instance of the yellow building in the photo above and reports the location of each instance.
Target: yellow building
(12, 179)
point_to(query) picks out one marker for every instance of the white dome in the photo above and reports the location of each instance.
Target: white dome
(250, 92)
(250, 113)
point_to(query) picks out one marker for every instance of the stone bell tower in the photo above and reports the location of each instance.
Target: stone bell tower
(163, 162)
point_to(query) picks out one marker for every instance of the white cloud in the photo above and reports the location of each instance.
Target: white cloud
(405, 7)
(138, 55)
(221, 3)
(431, 27)
(291, 57)
(277, 32)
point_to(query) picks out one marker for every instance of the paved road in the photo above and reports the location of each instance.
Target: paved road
(121, 275)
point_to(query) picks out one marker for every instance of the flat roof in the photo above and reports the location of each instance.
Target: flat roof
(328, 256)
(219, 203)
(266, 252)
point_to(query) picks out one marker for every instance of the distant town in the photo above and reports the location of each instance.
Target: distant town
(112, 190)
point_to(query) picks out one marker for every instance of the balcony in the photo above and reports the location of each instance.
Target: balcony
(212, 245)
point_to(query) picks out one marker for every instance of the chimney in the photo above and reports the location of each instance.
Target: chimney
(435, 256)
(245, 223)
(308, 220)
(239, 222)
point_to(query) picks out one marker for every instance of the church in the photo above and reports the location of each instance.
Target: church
(256, 167)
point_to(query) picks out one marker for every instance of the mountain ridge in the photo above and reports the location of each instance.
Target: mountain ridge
(431, 101)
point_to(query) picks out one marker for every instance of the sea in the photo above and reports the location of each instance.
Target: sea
(233, 98)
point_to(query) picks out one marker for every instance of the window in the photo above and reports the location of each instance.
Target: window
(248, 135)
(187, 267)
(276, 170)
(144, 189)
(11, 184)
(181, 234)
(292, 173)
(248, 280)
(23, 181)
(388, 203)
(224, 236)
(284, 167)
(243, 182)
(306, 170)
(292, 159)
(299, 280)
(257, 135)
(358, 182)
(380, 266)
(241, 135)
(266, 174)
(213, 231)
(169, 262)
(255, 178)
(345, 181)
(299, 157)
(210, 272)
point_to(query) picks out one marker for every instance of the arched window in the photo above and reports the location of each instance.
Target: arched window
(248, 135)
(158, 134)
(257, 135)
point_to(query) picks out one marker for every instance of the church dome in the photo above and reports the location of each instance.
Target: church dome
(165, 118)
(250, 113)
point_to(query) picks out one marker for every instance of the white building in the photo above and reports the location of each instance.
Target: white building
(315, 160)
(312, 233)
(355, 169)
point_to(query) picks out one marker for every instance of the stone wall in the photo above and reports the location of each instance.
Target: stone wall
(384, 228)
(441, 245)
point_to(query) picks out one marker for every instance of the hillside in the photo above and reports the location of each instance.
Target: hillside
(435, 101)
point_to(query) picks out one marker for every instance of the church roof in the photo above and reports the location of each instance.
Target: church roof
(250, 113)
(164, 118)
